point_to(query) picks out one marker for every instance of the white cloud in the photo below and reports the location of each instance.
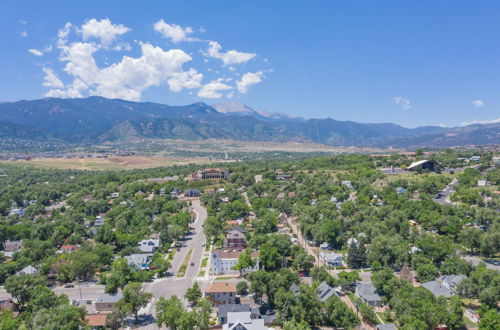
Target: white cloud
(23, 34)
(63, 33)
(174, 32)
(212, 90)
(21, 21)
(35, 52)
(478, 103)
(492, 121)
(247, 80)
(103, 30)
(185, 80)
(51, 79)
(229, 57)
(129, 77)
(403, 102)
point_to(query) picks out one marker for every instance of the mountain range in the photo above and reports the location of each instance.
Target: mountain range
(98, 120)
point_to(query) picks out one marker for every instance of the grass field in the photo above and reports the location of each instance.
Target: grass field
(111, 163)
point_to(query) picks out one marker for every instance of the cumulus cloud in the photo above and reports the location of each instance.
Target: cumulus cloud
(103, 30)
(82, 47)
(174, 32)
(213, 89)
(23, 34)
(35, 52)
(478, 103)
(403, 102)
(51, 80)
(129, 77)
(247, 80)
(185, 80)
(229, 57)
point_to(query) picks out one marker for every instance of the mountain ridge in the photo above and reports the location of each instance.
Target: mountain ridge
(96, 120)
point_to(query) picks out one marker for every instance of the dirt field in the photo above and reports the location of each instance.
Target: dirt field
(112, 163)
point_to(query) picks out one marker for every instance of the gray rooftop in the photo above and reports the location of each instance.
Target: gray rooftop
(109, 298)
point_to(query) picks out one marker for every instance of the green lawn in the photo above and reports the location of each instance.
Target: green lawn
(182, 269)
(204, 263)
(222, 278)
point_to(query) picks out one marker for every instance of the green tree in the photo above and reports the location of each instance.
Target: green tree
(294, 325)
(339, 315)
(245, 261)
(270, 257)
(242, 287)
(21, 287)
(490, 320)
(62, 317)
(133, 299)
(114, 320)
(168, 312)
(193, 294)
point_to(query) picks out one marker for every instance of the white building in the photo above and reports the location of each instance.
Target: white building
(149, 246)
(332, 259)
(243, 321)
(222, 262)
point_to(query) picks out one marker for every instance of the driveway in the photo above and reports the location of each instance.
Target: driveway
(444, 196)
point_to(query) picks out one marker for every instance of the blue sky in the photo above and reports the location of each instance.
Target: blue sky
(412, 63)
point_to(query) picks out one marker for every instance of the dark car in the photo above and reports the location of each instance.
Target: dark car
(192, 264)
(69, 285)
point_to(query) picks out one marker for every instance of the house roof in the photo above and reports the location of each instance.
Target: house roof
(28, 270)
(367, 291)
(421, 162)
(325, 291)
(232, 254)
(109, 298)
(218, 286)
(330, 257)
(444, 285)
(388, 326)
(231, 308)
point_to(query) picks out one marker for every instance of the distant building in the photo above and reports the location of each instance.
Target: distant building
(445, 286)
(243, 321)
(235, 238)
(107, 302)
(19, 212)
(368, 293)
(139, 261)
(149, 246)
(28, 270)
(426, 164)
(332, 259)
(192, 193)
(11, 247)
(115, 195)
(400, 190)
(209, 173)
(475, 158)
(483, 183)
(223, 310)
(222, 261)
(221, 293)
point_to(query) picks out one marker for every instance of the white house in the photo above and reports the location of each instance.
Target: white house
(332, 259)
(222, 261)
(243, 321)
(149, 245)
(28, 270)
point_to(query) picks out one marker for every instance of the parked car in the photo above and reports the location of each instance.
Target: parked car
(69, 285)
(192, 264)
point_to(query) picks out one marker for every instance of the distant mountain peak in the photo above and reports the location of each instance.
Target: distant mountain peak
(233, 107)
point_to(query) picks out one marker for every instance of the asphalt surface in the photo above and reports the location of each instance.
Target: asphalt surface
(444, 198)
(173, 285)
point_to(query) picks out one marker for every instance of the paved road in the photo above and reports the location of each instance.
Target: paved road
(444, 198)
(173, 285)
(85, 292)
(475, 261)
